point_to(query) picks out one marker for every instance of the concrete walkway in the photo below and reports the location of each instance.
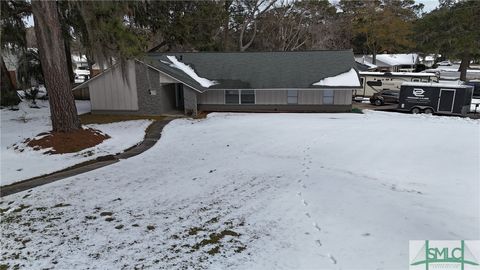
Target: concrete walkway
(152, 135)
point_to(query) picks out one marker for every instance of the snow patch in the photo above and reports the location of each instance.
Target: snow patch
(20, 163)
(190, 72)
(349, 78)
(238, 182)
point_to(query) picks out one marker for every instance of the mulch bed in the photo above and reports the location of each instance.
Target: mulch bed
(61, 143)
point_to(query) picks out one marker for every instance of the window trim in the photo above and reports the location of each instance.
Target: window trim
(240, 97)
(239, 93)
(296, 96)
(333, 96)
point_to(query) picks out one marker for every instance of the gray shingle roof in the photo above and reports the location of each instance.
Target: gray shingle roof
(258, 70)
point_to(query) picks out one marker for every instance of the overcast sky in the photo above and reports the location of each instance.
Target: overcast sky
(429, 4)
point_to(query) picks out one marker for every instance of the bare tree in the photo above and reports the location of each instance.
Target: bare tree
(291, 26)
(283, 28)
(252, 10)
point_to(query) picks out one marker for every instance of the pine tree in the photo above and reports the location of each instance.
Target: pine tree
(452, 30)
(51, 48)
(13, 40)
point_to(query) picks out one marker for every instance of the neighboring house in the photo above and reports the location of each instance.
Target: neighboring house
(428, 60)
(364, 67)
(313, 81)
(80, 65)
(11, 63)
(405, 62)
(451, 73)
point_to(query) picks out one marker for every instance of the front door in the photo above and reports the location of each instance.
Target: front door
(447, 97)
(179, 96)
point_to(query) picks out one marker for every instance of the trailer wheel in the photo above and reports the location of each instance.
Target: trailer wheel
(415, 110)
(378, 102)
(428, 111)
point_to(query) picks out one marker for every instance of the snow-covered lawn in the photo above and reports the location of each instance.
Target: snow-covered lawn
(260, 191)
(17, 166)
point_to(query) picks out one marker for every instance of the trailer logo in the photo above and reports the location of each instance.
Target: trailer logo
(444, 255)
(418, 92)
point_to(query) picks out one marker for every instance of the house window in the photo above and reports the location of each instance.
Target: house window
(231, 97)
(292, 97)
(247, 96)
(328, 96)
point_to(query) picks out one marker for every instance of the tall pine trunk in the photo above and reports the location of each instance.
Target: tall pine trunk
(68, 54)
(464, 66)
(51, 48)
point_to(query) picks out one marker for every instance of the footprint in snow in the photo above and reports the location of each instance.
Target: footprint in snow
(299, 194)
(319, 243)
(308, 215)
(304, 186)
(299, 180)
(304, 202)
(316, 226)
(334, 261)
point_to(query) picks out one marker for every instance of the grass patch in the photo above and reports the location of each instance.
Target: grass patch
(356, 110)
(61, 205)
(215, 238)
(201, 115)
(89, 118)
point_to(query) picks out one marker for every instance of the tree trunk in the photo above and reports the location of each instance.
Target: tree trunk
(226, 24)
(466, 57)
(68, 54)
(90, 64)
(51, 48)
(8, 94)
(374, 57)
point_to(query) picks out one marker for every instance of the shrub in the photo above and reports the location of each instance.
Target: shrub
(356, 110)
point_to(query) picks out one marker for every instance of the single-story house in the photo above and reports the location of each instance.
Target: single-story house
(311, 81)
(400, 62)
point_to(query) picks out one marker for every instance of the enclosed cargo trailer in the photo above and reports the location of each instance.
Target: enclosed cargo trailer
(435, 98)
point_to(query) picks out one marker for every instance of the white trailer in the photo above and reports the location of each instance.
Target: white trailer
(373, 82)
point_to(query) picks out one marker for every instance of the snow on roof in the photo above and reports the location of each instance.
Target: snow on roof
(190, 72)
(398, 59)
(436, 85)
(417, 74)
(349, 78)
(453, 68)
(363, 60)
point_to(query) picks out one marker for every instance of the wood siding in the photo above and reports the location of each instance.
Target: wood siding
(112, 92)
(212, 97)
(342, 97)
(310, 97)
(270, 97)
